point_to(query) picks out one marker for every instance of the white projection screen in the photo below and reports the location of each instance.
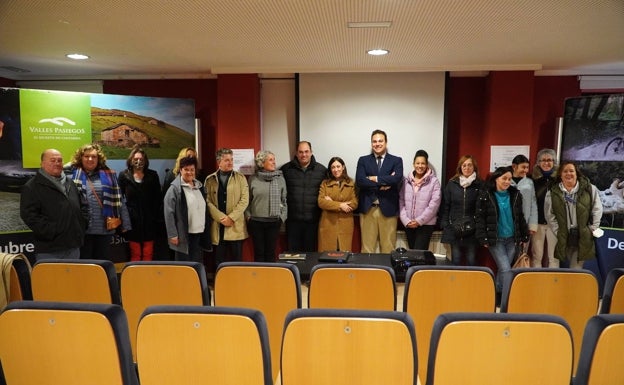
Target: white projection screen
(339, 111)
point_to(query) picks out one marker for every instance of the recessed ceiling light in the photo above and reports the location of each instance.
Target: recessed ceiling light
(377, 52)
(369, 24)
(77, 56)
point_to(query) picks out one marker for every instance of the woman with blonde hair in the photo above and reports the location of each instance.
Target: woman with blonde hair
(457, 212)
(173, 173)
(98, 186)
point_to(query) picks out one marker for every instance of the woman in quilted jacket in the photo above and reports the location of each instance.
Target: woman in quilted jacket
(501, 226)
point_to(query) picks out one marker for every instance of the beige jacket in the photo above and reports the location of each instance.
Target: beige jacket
(336, 227)
(237, 201)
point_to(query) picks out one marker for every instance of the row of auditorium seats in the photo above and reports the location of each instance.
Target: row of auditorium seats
(51, 343)
(274, 289)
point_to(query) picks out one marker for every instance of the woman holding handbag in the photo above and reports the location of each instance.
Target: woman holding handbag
(107, 210)
(459, 201)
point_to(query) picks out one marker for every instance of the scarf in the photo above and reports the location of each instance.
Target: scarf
(467, 181)
(417, 183)
(275, 198)
(60, 183)
(111, 194)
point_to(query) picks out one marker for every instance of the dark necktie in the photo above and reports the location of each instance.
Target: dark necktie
(378, 162)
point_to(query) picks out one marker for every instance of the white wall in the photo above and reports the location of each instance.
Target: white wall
(278, 118)
(339, 111)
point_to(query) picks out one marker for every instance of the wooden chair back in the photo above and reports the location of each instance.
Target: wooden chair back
(613, 293)
(148, 283)
(500, 348)
(351, 286)
(272, 288)
(344, 347)
(75, 280)
(49, 343)
(434, 290)
(601, 351)
(570, 294)
(203, 344)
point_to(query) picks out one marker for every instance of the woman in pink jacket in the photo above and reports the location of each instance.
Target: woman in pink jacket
(419, 202)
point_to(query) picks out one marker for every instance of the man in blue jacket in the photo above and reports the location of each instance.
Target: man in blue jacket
(379, 177)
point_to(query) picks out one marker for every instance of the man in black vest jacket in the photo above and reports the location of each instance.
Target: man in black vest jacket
(303, 177)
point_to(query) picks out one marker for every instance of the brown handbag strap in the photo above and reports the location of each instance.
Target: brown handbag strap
(94, 192)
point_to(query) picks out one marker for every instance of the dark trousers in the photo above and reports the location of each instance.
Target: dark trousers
(302, 235)
(96, 247)
(419, 237)
(264, 236)
(195, 252)
(228, 250)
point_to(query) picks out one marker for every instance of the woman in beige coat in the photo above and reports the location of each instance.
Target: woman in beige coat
(337, 200)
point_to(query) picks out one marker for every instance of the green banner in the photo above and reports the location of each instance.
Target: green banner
(53, 119)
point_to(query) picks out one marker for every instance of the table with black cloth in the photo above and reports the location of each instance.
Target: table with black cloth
(311, 259)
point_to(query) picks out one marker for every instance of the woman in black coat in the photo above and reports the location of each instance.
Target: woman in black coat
(141, 187)
(501, 226)
(459, 202)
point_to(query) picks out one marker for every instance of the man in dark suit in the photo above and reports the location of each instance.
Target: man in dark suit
(379, 177)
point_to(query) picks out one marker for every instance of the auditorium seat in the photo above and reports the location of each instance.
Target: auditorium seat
(568, 293)
(272, 288)
(203, 344)
(75, 280)
(500, 348)
(352, 286)
(52, 343)
(433, 290)
(147, 283)
(602, 349)
(613, 293)
(345, 347)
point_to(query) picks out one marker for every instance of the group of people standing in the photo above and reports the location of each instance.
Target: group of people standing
(559, 211)
(68, 213)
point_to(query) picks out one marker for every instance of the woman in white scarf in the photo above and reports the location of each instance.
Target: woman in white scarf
(457, 212)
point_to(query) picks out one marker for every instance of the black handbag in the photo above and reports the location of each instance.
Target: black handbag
(465, 227)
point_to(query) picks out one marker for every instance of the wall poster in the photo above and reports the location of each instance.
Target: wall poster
(34, 120)
(593, 137)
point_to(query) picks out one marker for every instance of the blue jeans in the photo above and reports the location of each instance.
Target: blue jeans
(503, 252)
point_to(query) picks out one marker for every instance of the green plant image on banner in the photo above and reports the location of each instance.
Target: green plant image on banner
(53, 119)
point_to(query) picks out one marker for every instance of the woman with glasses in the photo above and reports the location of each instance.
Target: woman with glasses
(544, 176)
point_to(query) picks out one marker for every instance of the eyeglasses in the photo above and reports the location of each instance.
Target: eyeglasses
(547, 160)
